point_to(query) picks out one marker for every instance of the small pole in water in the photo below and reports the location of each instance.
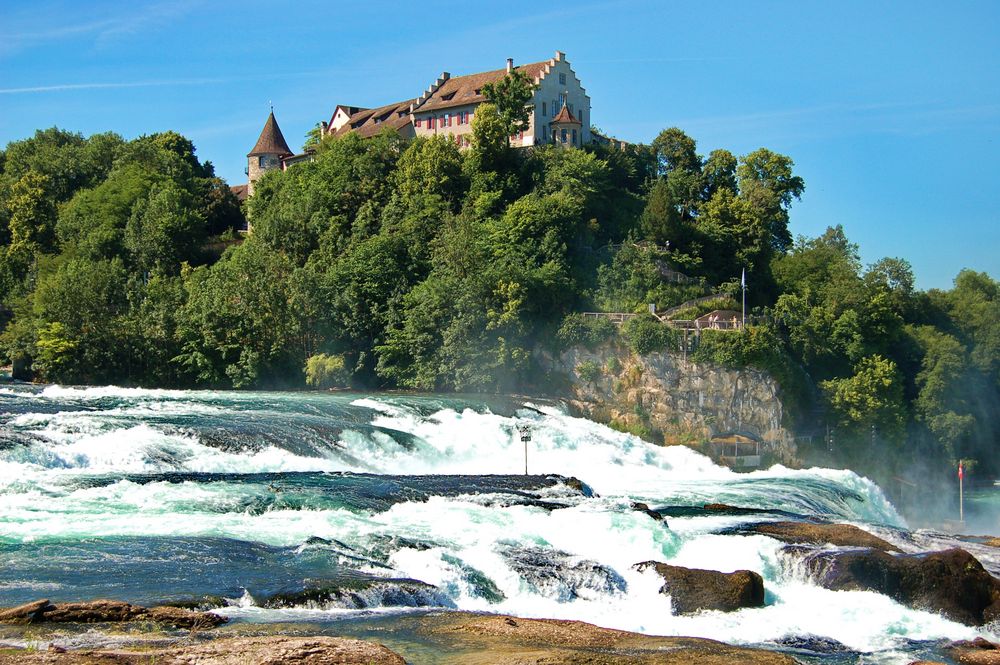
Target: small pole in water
(525, 432)
(961, 497)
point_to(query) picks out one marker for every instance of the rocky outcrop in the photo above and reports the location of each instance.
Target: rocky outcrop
(800, 533)
(498, 640)
(693, 590)
(107, 611)
(975, 652)
(228, 651)
(677, 400)
(952, 582)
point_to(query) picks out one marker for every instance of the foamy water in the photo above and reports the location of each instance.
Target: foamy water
(107, 465)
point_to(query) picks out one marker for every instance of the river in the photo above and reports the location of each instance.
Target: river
(393, 504)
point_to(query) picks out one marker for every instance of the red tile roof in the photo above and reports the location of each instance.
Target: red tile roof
(462, 90)
(369, 122)
(271, 142)
(240, 191)
(566, 116)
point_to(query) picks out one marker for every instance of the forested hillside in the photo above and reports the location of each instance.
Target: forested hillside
(384, 264)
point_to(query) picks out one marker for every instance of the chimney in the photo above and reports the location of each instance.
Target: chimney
(560, 56)
(510, 65)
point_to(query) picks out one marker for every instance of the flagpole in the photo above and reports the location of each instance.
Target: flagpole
(743, 284)
(961, 496)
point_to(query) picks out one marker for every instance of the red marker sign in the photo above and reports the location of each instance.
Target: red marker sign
(961, 473)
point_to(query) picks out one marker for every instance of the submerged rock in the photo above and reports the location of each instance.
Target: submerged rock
(640, 507)
(561, 575)
(951, 582)
(363, 594)
(692, 589)
(108, 611)
(842, 535)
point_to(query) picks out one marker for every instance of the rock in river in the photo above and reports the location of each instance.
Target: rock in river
(799, 533)
(692, 589)
(951, 582)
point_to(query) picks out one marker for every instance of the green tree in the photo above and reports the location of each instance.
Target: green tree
(510, 96)
(869, 404)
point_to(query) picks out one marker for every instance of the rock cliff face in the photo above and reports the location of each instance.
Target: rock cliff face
(664, 396)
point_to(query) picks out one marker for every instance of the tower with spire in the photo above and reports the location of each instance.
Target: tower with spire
(267, 154)
(566, 129)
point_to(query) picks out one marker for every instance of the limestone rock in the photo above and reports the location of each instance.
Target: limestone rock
(24, 612)
(843, 535)
(232, 651)
(951, 582)
(504, 640)
(975, 652)
(692, 590)
(108, 611)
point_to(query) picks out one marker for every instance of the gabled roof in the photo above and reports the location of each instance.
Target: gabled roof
(462, 90)
(369, 122)
(239, 191)
(271, 142)
(565, 116)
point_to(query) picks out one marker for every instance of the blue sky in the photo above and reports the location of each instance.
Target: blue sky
(891, 110)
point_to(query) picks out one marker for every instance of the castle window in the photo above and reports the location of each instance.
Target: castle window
(562, 79)
(563, 135)
(543, 110)
(417, 122)
(574, 137)
(447, 120)
(262, 161)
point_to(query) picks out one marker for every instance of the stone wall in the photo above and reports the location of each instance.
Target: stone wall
(668, 398)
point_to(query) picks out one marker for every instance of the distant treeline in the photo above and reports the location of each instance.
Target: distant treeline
(392, 264)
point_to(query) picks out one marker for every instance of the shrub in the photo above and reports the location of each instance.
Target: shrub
(648, 335)
(325, 371)
(588, 370)
(588, 331)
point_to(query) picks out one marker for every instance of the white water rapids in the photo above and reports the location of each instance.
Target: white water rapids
(57, 436)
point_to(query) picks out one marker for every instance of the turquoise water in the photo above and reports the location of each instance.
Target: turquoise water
(335, 509)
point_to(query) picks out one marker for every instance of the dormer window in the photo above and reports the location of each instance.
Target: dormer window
(448, 97)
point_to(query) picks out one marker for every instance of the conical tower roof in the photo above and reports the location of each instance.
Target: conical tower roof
(271, 142)
(565, 116)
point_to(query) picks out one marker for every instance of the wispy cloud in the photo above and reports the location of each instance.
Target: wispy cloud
(34, 28)
(66, 87)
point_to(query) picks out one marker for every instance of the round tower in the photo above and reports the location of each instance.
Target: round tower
(267, 153)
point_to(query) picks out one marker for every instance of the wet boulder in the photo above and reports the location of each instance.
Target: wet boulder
(975, 652)
(693, 589)
(97, 611)
(802, 533)
(107, 611)
(640, 507)
(359, 594)
(951, 582)
(562, 575)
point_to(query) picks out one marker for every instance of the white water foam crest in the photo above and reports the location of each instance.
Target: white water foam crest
(615, 463)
